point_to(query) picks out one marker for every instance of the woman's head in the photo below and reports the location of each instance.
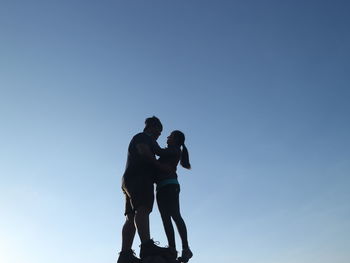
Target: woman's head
(177, 138)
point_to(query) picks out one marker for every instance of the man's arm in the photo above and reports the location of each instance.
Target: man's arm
(162, 151)
(145, 151)
(157, 149)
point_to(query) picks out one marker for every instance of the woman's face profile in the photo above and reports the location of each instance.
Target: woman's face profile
(171, 139)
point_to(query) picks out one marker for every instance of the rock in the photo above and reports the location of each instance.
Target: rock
(154, 259)
(158, 259)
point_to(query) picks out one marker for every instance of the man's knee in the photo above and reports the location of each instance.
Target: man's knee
(130, 217)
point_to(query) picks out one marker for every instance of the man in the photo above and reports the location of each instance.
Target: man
(137, 185)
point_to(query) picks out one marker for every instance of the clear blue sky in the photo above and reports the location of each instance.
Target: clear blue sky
(260, 88)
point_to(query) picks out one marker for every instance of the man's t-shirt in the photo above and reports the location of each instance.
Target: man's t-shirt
(136, 164)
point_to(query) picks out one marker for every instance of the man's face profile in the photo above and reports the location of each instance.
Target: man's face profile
(157, 131)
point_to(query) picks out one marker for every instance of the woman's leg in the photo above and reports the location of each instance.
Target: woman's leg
(169, 229)
(176, 215)
(181, 226)
(163, 206)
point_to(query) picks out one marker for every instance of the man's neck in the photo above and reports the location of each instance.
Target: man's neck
(148, 133)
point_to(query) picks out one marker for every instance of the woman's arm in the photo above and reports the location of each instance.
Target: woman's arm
(162, 151)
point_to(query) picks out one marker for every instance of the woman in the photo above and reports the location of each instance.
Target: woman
(168, 189)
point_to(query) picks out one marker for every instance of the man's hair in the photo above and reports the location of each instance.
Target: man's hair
(153, 122)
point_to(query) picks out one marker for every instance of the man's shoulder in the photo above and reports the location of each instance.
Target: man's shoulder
(141, 138)
(139, 135)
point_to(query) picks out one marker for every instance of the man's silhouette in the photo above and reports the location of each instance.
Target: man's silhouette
(137, 185)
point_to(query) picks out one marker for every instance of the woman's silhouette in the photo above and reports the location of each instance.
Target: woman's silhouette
(168, 189)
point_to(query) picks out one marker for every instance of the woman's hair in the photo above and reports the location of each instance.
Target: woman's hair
(180, 140)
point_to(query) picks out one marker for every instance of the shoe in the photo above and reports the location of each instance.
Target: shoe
(172, 253)
(128, 256)
(149, 248)
(186, 255)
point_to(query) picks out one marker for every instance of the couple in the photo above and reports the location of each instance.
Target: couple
(142, 171)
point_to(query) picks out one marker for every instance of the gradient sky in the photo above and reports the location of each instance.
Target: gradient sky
(260, 88)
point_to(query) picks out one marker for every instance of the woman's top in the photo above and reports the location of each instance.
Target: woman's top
(171, 157)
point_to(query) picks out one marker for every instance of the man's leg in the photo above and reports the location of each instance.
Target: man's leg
(128, 232)
(142, 223)
(143, 204)
(127, 255)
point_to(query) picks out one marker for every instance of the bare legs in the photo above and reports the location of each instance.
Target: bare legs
(181, 228)
(169, 229)
(169, 207)
(128, 232)
(139, 222)
(142, 223)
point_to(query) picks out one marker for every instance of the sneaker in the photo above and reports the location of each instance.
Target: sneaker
(186, 255)
(172, 253)
(149, 248)
(128, 256)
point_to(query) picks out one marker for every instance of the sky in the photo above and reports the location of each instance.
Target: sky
(260, 89)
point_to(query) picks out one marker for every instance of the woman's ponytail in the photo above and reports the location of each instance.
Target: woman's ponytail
(185, 161)
(180, 141)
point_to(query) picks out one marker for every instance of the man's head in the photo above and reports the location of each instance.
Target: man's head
(153, 127)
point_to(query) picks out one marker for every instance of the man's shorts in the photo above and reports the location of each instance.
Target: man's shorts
(139, 192)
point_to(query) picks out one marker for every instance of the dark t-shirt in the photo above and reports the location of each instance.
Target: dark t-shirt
(136, 164)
